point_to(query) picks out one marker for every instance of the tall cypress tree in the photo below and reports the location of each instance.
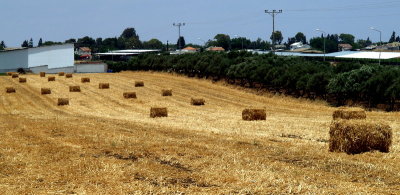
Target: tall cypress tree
(40, 43)
(30, 44)
(25, 44)
(393, 37)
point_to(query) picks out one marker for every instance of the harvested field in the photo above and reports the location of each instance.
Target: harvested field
(104, 144)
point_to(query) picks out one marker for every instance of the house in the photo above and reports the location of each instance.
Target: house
(299, 45)
(189, 50)
(84, 53)
(215, 49)
(345, 47)
(393, 46)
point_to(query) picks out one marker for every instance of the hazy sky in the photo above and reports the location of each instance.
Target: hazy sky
(58, 20)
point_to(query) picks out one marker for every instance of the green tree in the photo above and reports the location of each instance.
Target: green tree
(70, 40)
(346, 38)
(25, 44)
(223, 40)
(129, 33)
(393, 37)
(86, 42)
(40, 43)
(278, 37)
(30, 44)
(300, 37)
(181, 43)
(2, 45)
(153, 44)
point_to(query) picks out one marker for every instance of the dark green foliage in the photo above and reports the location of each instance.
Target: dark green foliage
(291, 75)
(40, 43)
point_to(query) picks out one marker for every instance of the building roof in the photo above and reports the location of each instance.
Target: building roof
(190, 49)
(345, 45)
(215, 49)
(85, 49)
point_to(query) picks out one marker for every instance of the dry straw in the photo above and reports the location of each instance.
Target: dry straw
(104, 85)
(68, 75)
(158, 112)
(45, 91)
(15, 75)
(63, 102)
(51, 78)
(254, 114)
(197, 101)
(74, 89)
(129, 95)
(357, 136)
(139, 84)
(42, 74)
(61, 74)
(85, 80)
(10, 90)
(349, 113)
(22, 80)
(166, 92)
(10, 73)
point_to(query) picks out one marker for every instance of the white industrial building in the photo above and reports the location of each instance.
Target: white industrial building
(50, 59)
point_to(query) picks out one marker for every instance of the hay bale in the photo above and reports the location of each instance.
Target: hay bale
(22, 80)
(158, 112)
(85, 80)
(357, 136)
(129, 95)
(10, 90)
(15, 75)
(166, 92)
(45, 91)
(349, 113)
(61, 74)
(51, 78)
(139, 84)
(42, 74)
(63, 102)
(254, 114)
(197, 101)
(74, 89)
(10, 73)
(68, 75)
(104, 85)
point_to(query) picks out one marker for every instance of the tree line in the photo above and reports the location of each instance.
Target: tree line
(367, 84)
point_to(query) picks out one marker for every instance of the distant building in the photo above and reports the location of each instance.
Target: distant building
(345, 47)
(393, 46)
(299, 45)
(215, 49)
(55, 56)
(123, 55)
(84, 53)
(189, 50)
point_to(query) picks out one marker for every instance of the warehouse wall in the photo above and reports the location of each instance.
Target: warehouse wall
(55, 56)
(91, 68)
(10, 61)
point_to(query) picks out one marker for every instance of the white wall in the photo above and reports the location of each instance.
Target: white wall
(91, 68)
(12, 60)
(55, 56)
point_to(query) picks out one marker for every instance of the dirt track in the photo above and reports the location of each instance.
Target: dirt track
(102, 143)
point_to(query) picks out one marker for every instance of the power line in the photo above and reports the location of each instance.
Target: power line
(273, 13)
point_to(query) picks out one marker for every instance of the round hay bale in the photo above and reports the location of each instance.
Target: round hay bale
(158, 112)
(15, 75)
(254, 114)
(22, 80)
(10, 90)
(197, 101)
(166, 92)
(61, 74)
(74, 89)
(10, 73)
(62, 102)
(349, 113)
(51, 78)
(104, 85)
(68, 75)
(45, 91)
(139, 84)
(358, 136)
(130, 95)
(85, 80)
(42, 74)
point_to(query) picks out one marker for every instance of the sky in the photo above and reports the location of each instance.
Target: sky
(59, 20)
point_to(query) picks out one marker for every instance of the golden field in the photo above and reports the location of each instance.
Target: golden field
(103, 143)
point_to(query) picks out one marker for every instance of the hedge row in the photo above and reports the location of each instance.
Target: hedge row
(369, 84)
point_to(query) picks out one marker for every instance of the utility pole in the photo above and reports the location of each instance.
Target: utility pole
(179, 32)
(273, 13)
